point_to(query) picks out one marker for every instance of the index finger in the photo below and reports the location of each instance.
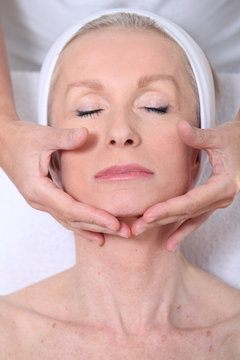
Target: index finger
(195, 202)
(51, 198)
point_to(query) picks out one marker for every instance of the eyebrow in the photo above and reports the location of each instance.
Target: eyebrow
(143, 81)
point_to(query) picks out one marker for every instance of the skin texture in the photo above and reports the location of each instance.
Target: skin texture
(131, 298)
(35, 144)
(124, 118)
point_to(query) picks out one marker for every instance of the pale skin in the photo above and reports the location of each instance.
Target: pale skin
(131, 298)
(23, 140)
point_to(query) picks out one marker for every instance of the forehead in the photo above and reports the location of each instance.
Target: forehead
(120, 51)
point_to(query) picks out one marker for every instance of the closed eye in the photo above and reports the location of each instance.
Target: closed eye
(88, 113)
(159, 110)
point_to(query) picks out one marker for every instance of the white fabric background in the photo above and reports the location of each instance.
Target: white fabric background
(34, 246)
(32, 26)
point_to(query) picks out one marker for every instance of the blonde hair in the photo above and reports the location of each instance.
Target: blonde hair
(134, 22)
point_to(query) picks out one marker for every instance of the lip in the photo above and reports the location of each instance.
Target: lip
(123, 172)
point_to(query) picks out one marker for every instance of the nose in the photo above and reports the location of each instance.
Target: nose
(122, 131)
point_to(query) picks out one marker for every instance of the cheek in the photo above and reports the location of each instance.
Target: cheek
(172, 159)
(74, 173)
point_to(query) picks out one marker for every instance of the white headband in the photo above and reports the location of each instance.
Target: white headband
(195, 55)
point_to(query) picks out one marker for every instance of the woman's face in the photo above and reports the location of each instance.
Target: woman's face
(134, 87)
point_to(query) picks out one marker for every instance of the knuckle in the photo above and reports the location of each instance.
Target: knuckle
(68, 216)
(192, 206)
(90, 221)
(225, 203)
(76, 218)
(231, 191)
(73, 224)
(29, 194)
(64, 223)
(204, 135)
(216, 137)
(166, 212)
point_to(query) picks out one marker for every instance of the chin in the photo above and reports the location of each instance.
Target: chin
(126, 206)
(126, 213)
(126, 202)
(124, 209)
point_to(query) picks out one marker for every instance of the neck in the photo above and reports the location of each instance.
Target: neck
(127, 284)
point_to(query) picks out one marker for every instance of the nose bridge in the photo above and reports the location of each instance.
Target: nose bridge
(122, 129)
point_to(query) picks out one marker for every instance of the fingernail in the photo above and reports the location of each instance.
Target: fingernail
(75, 133)
(123, 233)
(151, 220)
(140, 230)
(174, 247)
(111, 227)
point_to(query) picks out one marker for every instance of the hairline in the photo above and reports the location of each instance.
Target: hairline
(185, 64)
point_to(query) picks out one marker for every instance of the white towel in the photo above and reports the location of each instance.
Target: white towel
(34, 246)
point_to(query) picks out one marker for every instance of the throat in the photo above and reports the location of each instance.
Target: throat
(127, 284)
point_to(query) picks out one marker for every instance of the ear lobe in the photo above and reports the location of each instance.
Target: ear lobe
(55, 169)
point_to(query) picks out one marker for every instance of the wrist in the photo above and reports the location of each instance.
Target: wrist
(7, 113)
(8, 129)
(7, 119)
(6, 122)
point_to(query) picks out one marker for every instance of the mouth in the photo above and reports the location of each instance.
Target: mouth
(124, 172)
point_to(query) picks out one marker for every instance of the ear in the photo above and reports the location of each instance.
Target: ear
(55, 169)
(195, 165)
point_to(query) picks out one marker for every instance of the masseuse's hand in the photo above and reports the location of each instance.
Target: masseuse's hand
(190, 210)
(25, 157)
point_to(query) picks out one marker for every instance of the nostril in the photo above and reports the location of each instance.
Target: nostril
(129, 141)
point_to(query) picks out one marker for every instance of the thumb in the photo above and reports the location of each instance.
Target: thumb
(66, 139)
(196, 137)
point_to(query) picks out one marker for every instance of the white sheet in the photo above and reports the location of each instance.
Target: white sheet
(34, 246)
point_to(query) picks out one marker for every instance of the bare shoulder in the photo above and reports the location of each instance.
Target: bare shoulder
(219, 300)
(231, 337)
(24, 316)
(227, 307)
(33, 303)
(17, 326)
(8, 327)
(8, 314)
(38, 297)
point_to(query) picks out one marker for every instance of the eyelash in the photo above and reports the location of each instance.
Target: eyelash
(88, 113)
(160, 110)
